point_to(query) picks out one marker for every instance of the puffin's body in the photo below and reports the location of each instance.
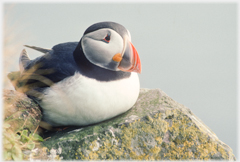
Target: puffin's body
(85, 82)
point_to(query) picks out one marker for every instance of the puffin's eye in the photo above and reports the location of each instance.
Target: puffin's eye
(107, 38)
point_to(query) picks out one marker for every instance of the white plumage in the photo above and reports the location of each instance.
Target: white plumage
(87, 101)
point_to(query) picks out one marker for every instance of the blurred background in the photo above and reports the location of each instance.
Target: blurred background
(189, 50)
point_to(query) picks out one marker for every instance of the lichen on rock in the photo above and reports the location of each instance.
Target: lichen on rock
(156, 128)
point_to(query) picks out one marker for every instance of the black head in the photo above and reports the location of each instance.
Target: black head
(108, 45)
(121, 30)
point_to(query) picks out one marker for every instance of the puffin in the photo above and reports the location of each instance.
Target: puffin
(86, 82)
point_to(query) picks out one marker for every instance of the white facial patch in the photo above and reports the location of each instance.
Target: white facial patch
(100, 52)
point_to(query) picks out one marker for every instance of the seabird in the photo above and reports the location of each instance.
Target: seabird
(85, 82)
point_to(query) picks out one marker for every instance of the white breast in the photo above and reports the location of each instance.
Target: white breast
(79, 100)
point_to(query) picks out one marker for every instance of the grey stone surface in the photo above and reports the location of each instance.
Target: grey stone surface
(156, 128)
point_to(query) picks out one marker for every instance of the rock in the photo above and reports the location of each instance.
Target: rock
(156, 128)
(20, 111)
(22, 114)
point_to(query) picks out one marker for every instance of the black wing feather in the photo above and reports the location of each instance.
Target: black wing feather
(50, 68)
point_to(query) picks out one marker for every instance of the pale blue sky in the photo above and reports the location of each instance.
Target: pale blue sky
(187, 50)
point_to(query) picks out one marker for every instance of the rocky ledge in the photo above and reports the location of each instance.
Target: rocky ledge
(156, 128)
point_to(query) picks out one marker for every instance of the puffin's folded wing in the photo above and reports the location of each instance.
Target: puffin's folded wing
(45, 70)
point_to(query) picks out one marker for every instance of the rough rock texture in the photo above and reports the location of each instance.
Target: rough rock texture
(20, 111)
(156, 128)
(21, 114)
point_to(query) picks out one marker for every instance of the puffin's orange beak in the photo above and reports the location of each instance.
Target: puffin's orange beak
(130, 60)
(136, 63)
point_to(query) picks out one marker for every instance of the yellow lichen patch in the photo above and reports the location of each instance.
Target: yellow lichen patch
(169, 112)
(156, 115)
(92, 156)
(223, 152)
(94, 145)
(128, 150)
(155, 150)
(185, 136)
(177, 138)
(159, 140)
